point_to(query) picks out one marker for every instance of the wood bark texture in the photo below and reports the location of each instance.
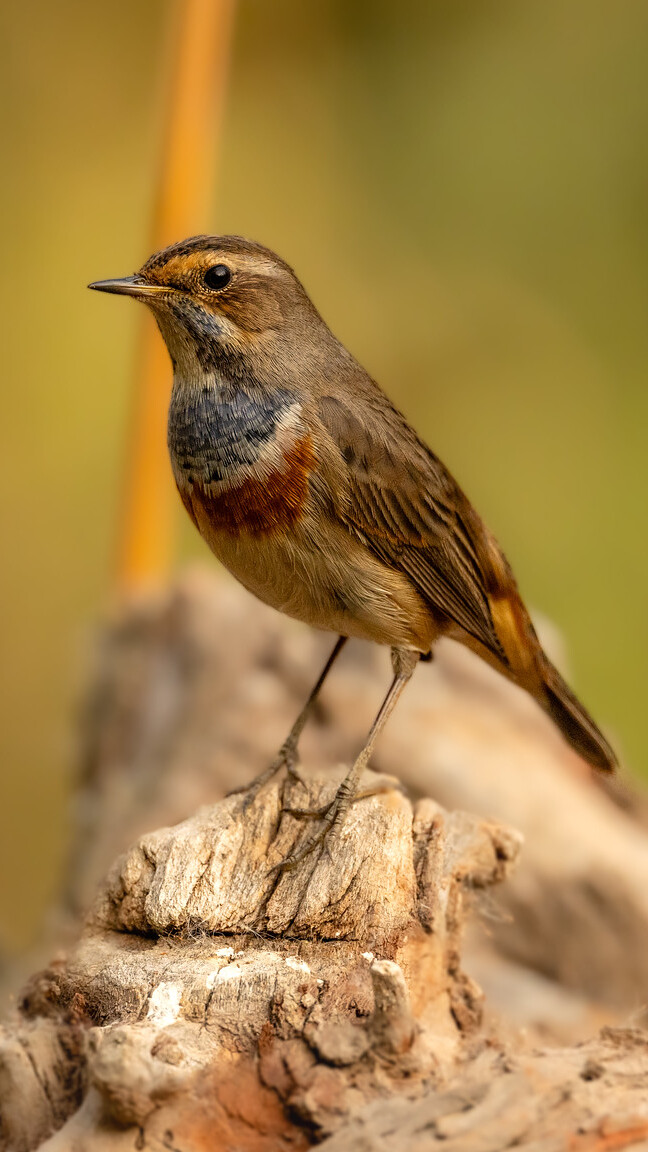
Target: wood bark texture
(212, 1001)
(194, 692)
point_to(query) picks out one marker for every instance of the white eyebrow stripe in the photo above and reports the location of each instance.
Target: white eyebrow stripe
(247, 262)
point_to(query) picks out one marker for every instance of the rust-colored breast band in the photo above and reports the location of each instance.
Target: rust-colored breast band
(260, 507)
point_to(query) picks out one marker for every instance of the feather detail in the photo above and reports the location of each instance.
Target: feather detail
(411, 514)
(400, 499)
(257, 506)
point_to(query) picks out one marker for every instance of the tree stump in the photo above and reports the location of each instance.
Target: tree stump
(195, 689)
(215, 1002)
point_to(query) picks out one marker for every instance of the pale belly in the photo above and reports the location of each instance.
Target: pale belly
(322, 576)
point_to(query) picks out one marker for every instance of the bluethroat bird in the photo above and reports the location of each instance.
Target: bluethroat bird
(315, 492)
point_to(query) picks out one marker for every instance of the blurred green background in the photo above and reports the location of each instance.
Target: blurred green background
(462, 186)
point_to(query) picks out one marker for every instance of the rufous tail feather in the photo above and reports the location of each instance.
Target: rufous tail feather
(526, 663)
(533, 670)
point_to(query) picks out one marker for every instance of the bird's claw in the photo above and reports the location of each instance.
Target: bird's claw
(306, 813)
(330, 814)
(287, 757)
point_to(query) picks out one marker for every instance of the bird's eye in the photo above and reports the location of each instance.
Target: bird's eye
(217, 276)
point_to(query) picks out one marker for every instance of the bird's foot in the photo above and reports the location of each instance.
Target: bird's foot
(287, 757)
(332, 817)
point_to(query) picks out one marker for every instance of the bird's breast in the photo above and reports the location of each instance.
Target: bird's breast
(241, 462)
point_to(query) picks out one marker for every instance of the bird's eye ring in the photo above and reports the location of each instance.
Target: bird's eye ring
(218, 276)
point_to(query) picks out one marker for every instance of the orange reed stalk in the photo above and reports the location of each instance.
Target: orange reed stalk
(201, 50)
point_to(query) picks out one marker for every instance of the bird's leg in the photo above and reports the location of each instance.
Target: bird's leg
(404, 662)
(287, 755)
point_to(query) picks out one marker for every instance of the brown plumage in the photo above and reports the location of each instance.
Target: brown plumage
(315, 491)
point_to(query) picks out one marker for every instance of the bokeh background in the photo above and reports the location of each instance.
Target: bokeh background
(462, 186)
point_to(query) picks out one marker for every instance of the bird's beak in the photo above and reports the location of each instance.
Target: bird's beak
(129, 286)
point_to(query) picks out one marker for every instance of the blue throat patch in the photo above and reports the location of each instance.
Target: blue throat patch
(216, 431)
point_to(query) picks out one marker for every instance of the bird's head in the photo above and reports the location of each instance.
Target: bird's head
(218, 298)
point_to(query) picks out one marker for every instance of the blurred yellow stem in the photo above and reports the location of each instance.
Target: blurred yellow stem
(201, 51)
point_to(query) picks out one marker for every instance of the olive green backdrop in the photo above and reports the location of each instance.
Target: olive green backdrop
(463, 188)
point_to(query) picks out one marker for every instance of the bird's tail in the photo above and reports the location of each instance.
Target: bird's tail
(530, 667)
(572, 718)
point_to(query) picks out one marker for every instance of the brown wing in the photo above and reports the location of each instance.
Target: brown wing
(407, 508)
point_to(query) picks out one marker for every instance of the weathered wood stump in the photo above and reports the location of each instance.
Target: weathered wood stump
(214, 1002)
(196, 689)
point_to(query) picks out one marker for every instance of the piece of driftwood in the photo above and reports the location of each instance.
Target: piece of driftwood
(214, 1002)
(195, 690)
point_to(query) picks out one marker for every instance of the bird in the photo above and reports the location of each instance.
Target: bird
(316, 493)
